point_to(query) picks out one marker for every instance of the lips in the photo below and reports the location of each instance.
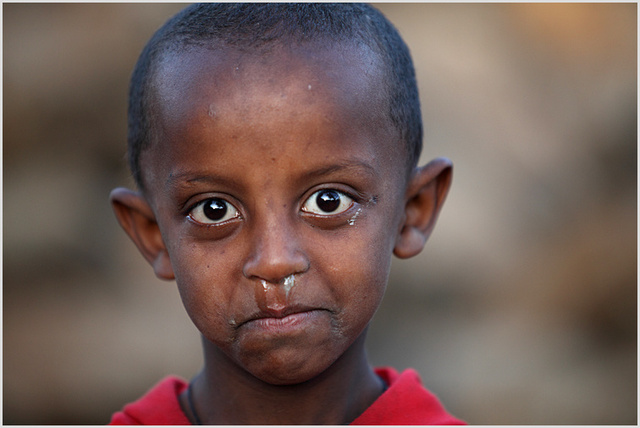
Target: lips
(278, 313)
(283, 319)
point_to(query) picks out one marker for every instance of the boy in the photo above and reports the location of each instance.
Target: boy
(275, 149)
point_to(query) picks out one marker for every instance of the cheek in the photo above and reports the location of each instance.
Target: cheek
(202, 281)
(369, 254)
(359, 269)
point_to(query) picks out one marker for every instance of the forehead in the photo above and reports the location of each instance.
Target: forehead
(336, 89)
(335, 74)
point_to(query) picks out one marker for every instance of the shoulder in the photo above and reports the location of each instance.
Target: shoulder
(159, 406)
(405, 402)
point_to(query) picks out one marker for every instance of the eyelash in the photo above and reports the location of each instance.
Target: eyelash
(310, 206)
(198, 213)
(330, 200)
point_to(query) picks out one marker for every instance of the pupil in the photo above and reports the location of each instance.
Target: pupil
(328, 200)
(215, 209)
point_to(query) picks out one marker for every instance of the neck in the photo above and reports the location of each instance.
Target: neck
(224, 393)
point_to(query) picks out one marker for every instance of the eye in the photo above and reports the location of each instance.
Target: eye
(213, 211)
(327, 202)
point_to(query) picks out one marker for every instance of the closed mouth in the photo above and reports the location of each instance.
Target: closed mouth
(281, 318)
(278, 313)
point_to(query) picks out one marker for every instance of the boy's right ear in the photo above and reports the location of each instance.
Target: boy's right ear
(137, 219)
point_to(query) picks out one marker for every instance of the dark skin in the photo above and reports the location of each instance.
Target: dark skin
(276, 193)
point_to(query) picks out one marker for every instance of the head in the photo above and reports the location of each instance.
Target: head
(259, 28)
(278, 175)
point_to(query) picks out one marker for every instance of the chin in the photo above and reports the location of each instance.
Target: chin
(277, 379)
(289, 371)
(282, 376)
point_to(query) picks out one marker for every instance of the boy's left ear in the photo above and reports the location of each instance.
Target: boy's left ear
(426, 192)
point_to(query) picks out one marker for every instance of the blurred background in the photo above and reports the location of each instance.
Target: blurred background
(521, 310)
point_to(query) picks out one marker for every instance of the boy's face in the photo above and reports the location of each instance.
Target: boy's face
(278, 185)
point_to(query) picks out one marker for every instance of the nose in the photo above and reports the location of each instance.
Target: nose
(275, 252)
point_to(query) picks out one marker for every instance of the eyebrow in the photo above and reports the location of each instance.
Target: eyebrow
(189, 177)
(342, 166)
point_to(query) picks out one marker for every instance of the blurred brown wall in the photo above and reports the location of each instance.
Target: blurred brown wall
(522, 309)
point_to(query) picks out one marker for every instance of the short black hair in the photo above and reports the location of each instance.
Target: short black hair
(256, 26)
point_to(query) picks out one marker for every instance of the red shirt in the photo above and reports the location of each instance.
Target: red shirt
(405, 402)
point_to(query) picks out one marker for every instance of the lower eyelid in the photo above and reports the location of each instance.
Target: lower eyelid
(227, 222)
(200, 205)
(353, 200)
(328, 216)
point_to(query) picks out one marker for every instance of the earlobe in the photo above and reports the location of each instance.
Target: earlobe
(138, 220)
(426, 192)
